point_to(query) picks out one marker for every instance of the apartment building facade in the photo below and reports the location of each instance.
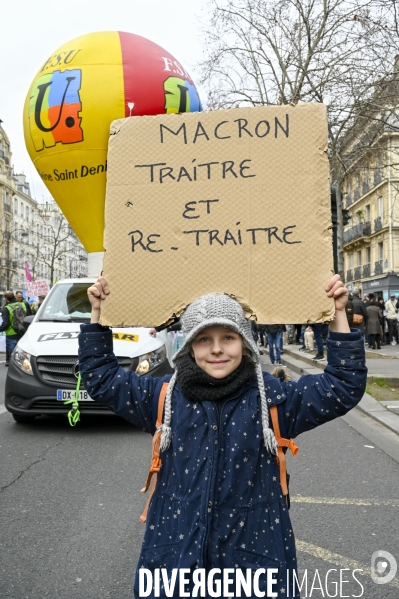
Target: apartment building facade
(370, 191)
(32, 232)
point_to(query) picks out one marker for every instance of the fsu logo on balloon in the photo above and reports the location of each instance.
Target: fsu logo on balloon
(54, 108)
(180, 96)
(55, 105)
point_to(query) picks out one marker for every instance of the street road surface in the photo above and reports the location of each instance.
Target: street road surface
(70, 507)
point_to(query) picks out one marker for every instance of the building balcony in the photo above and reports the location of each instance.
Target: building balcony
(377, 224)
(366, 229)
(366, 270)
(358, 273)
(4, 157)
(356, 232)
(11, 264)
(378, 267)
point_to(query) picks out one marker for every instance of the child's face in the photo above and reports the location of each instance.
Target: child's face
(217, 350)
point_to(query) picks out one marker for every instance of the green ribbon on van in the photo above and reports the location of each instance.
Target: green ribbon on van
(74, 412)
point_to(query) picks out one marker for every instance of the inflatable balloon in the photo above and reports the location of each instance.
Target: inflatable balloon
(79, 90)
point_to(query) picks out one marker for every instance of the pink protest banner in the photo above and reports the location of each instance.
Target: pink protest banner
(28, 275)
(36, 288)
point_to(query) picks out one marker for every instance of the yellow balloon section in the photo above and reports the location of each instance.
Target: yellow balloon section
(84, 86)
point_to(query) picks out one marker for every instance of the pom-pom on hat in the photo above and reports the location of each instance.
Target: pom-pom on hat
(209, 310)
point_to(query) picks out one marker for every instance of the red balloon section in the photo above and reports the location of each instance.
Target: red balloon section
(154, 80)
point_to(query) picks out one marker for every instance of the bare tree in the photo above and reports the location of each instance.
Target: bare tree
(53, 232)
(35, 261)
(339, 52)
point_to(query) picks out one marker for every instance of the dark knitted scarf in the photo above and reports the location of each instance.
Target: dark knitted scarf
(198, 386)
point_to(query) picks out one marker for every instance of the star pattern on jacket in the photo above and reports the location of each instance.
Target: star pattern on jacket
(218, 501)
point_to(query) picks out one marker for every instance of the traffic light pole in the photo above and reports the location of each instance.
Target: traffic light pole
(334, 220)
(334, 243)
(339, 218)
(339, 233)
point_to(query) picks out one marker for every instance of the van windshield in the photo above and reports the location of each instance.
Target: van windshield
(67, 302)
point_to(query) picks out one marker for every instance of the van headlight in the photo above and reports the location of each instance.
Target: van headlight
(22, 360)
(149, 361)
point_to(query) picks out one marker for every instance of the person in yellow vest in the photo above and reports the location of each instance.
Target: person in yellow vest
(12, 334)
(19, 296)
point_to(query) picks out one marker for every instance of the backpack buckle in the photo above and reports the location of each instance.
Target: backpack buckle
(156, 464)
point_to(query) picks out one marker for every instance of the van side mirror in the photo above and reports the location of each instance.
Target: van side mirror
(27, 320)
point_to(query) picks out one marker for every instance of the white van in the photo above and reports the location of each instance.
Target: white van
(44, 366)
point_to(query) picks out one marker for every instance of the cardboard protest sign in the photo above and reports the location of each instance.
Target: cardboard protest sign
(36, 288)
(231, 201)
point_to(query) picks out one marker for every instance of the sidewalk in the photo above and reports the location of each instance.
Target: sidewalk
(385, 366)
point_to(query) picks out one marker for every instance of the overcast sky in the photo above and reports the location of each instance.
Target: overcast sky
(33, 29)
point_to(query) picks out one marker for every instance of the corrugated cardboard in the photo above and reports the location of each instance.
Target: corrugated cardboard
(230, 201)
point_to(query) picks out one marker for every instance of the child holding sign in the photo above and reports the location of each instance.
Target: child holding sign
(218, 511)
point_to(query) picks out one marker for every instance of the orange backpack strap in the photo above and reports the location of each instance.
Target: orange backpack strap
(156, 461)
(281, 443)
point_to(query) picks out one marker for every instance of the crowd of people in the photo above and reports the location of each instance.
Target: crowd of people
(376, 319)
(14, 301)
(275, 336)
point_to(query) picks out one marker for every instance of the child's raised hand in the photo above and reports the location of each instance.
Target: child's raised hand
(336, 289)
(97, 293)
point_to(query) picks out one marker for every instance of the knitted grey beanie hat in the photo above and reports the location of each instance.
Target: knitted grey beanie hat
(209, 310)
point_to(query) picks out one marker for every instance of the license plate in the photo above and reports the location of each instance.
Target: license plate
(65, 394)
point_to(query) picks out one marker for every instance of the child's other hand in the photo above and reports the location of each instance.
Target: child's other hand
(97, 293)
(336, 289)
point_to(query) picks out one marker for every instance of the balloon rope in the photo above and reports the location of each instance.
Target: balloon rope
(74, 413)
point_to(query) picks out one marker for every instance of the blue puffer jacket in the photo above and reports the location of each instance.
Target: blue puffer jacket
(218, 502)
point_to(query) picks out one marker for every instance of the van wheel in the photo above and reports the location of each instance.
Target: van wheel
(23, 419)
